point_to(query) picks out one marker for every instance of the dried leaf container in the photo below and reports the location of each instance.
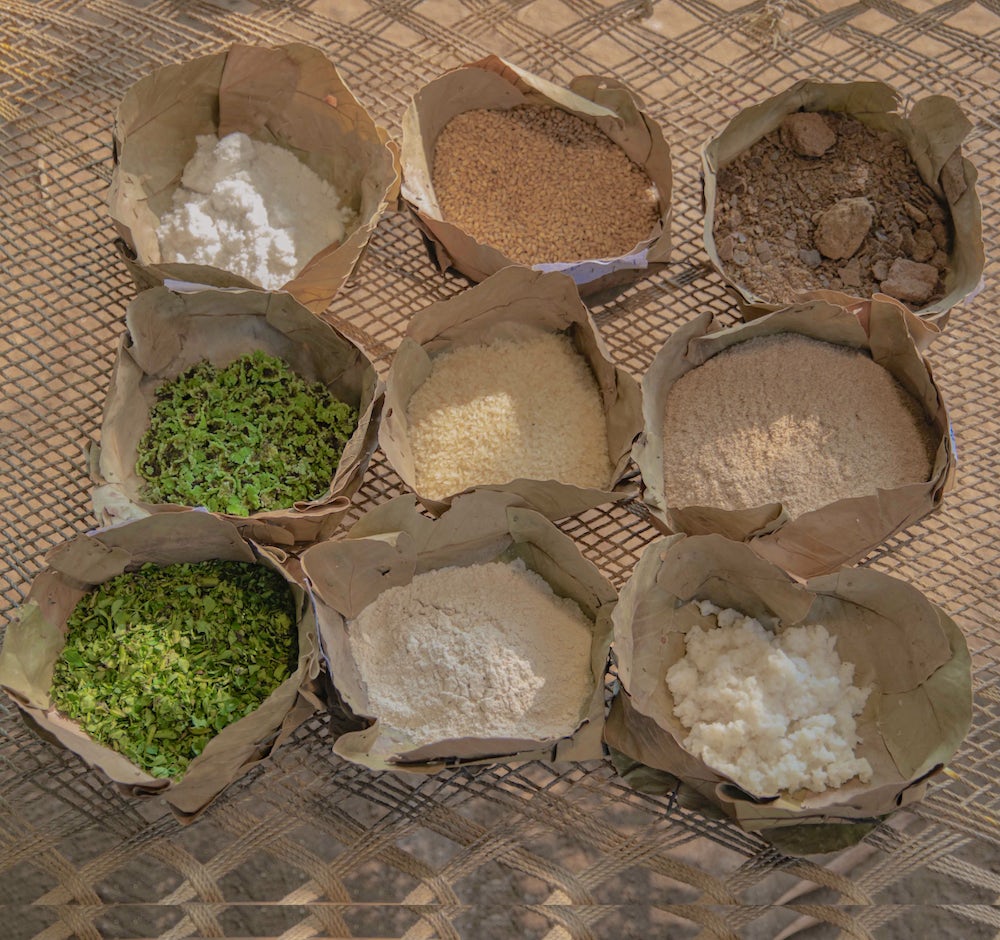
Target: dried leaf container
(168, 333)
(493, 83)
(932, 131)
(290, 95)
(36, 639)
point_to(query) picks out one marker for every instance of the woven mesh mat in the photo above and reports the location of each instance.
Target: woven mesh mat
(311, 847)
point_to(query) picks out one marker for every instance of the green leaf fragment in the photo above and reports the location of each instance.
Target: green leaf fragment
(247, 438)
(190, 649)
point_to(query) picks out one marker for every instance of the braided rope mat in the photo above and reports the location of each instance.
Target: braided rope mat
(308, 846)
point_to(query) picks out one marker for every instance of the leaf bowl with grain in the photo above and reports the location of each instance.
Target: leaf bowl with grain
(507, 207)
(515, 305)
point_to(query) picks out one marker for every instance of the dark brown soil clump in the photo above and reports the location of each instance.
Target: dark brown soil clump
(777, 207)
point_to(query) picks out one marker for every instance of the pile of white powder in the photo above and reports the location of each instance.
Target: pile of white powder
(250, 208)
(482, 651)
(770, 711)
(492, 413)
(793, 420)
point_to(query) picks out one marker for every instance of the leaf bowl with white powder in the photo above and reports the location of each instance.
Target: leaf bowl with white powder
(214, 371)
(255, 167)
(509, 387)
(480, 636)
(803, 711)
(813, 433)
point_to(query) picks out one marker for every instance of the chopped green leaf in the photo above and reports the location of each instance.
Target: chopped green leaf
(250, 437)
(188, 649)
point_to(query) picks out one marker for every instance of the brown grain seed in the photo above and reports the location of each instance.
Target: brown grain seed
(541, 184)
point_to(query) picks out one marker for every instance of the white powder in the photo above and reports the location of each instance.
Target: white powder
(492, 413)
(793, 420)
(771, 711)
(483, 651)
(250, 208)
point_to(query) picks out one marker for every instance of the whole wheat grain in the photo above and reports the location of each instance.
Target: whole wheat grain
(541, 184)
(793, 420)
(480, 651)
(492, 413)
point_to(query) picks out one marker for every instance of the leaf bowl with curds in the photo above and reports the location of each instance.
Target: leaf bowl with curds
(909, 654)
(503, 167)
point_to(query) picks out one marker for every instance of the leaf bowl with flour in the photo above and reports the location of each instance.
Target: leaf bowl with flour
(812, 433)
(481, 636)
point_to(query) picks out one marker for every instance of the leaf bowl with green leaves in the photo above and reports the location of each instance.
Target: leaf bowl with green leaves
(168, 652)
(240, 402)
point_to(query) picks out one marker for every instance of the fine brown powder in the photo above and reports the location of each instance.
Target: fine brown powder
(793, 420)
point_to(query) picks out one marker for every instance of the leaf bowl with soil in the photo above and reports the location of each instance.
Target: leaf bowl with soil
(502, 167)
(168, 652)
(239, 402)
(830, 186)
(812, 433)
(478, 637)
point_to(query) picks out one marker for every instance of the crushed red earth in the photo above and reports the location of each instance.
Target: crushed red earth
(826, 202)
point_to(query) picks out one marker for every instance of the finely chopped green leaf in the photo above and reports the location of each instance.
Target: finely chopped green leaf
(159, 660)
(250, 437)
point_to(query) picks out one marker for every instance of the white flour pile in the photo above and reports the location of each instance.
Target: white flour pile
(483, 651)
(771, 711)
(793, 420)
(492, 413)
(250, 208)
